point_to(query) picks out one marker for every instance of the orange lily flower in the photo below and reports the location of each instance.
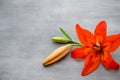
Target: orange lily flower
(96, 48)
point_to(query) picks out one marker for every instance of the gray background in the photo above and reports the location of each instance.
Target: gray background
(26, 28)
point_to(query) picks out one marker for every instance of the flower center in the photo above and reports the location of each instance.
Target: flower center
(98, 47)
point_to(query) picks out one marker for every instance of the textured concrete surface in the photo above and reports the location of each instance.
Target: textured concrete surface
(26, 28)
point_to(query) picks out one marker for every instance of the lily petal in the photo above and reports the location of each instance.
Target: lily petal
(80, 52)
(113, 42)
(92, 62)
(108, 61)
(85, 36)
(100, 31)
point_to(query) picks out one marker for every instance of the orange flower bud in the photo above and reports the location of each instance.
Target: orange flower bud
(58, 54)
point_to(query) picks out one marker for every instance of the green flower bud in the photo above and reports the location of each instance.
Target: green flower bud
(61, 40)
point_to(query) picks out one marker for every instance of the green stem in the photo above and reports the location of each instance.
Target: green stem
(76, 44)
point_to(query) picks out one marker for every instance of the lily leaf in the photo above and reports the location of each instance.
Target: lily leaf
(67, 36)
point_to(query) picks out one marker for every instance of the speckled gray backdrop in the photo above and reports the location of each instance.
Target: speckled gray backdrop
(26, 28)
